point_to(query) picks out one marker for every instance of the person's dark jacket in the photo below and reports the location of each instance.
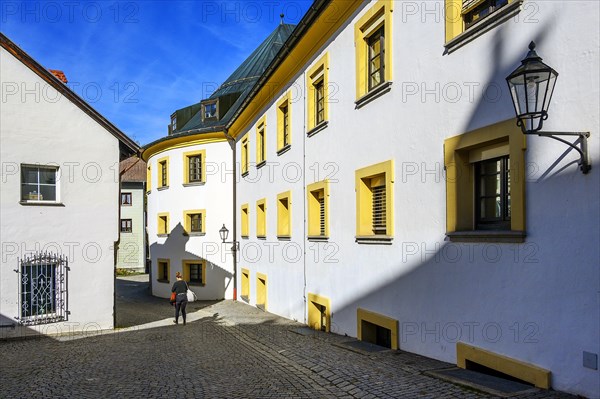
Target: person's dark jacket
(179, 287)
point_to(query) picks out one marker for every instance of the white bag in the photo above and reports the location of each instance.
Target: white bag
(191, 295)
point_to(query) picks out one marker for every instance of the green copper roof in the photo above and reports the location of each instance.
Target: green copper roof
(235, 89)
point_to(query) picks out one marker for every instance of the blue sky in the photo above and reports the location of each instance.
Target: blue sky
(138, 61)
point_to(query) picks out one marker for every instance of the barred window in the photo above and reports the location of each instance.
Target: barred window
(196, 222)
(319, 101)
(163, 173)
(286, 128)
(43, 289)
(379, 208)
(321, 214)
(195, 168)
(376, 45)
(474, 11)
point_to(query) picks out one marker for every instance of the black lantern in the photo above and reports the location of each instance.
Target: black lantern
(531, 86)
(224, 233)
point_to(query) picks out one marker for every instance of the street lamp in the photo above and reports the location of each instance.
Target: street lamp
(224, 233)
(531, 86)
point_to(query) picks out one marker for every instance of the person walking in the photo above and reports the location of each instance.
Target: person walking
(180, 288)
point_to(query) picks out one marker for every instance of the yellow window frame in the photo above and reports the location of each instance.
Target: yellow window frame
(185, 267)
(284, 103)
(245, 220)
(378, 15)
(364, 198)
(319, 71)
(160, 172)
(313, 192)
(261, 218)
(453, 16)
(148, 178)
(315, 314)
(460, 174)
(187, 220)
(163, 222)
(284, 214)
(186, 166)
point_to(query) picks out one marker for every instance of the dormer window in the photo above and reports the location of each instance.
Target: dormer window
(210, 110)
(174, 123)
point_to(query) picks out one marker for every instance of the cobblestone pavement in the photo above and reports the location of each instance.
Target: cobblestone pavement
(226, 350)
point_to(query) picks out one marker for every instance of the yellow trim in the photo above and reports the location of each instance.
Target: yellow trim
(160, 171)
(162, 226)
(245, 153)
(186, 165)
(261, 290)
(185, 267)
(246, 283)
(454, 17)
(315, 314)
(158, 273)
(183, 141)
(284, 102)
(524, 371)
(315, 74)
(313, 193)
(320, 32)
(261, 218)
(380, 13)
(148, 178)
(364, 197)
(379, 320)
(460, 174)
(284, 214)
(261, 135)
(187, 220)
(245, 218)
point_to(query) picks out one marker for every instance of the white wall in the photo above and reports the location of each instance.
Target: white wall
(132, 248)
(536, 301)
(215, 196)
(41, 126)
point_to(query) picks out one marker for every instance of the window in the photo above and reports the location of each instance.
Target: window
(245, 154)
(318, 210)
(194, 170)
(319, 312)
(173, 123)
(163, 224)
(485, 198)
(126, 226)
(261, 145)
(245, 284)
(284, 215)
(318, 104)
(164, 270)
(492, 194)
(194, 271)
(39, 183)
(148, 179)
(163, 173)
(375, 203)
(261, 218)
(125, 199)
(210, 110)
(377, 329)
(283, 123)
(474, 16)
(373, 44)
(194, 221)
(42, 289)
(245, 221)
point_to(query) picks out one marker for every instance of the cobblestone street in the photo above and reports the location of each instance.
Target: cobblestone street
(226, 350)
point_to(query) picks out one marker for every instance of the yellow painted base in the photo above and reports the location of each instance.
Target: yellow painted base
(515, 368)
(379, 320)
(317, 306)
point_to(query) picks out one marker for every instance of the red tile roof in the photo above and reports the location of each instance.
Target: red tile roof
(134, 168)
(59, 74)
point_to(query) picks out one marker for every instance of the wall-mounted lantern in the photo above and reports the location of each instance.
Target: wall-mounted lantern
(531, 86)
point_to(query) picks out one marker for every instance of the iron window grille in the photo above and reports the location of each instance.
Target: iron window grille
(196, 273)
(492, 194)
(126, 226)
(379, 210)
(196, 223)
(319, 101)
(261, 144)
(321, 214)
(43, 283)
(163, 174)
(195, 168)
(376, 45)
(125, 198)
(475, 10)
(38, 183)
(285, 133)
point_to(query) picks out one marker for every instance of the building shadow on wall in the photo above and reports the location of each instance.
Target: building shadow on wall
(180, 247)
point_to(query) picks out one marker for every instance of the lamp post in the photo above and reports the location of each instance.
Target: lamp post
(531, 87)
(224, 233)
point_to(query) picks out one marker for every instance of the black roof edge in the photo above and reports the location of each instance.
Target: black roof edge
(126, 144)
(309, 18)
(190, 132)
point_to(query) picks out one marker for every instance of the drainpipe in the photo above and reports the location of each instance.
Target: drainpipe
(235, 247)
(304, 239)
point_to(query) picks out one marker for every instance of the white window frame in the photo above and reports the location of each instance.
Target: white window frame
(56, 184)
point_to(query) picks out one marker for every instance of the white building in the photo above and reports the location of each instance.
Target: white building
(359, 153)
(59, 203)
